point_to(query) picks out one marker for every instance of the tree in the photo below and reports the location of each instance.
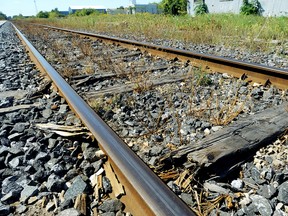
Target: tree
(174, 7)
(251, 8)
(20, 16)
(86, 12)
(201, 8)
(2, 16)
(55, 13)
(42, 14)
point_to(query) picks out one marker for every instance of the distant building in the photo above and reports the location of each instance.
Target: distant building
(64, 13)
(269, 7)
(117, 11)
(134, 8)
(142, 8)
(99, 9)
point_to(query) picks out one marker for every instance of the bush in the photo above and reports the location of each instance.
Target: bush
(201, 8)
(42, 14)
(174, 7)
(253, 8)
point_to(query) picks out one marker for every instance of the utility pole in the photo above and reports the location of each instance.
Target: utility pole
(36, 7)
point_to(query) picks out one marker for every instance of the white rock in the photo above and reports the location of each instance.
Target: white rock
(279, 206)
(246, 200)
(206, 131)
(216, 128)
(238, 184)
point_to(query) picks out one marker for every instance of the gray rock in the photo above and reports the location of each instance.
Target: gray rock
(66, 204)
(157, 138)
(3, 150)
(78, 187)
(42, 156)
(54, 183)
(5, 209)
(9, 184)
(263, 206)
(279, 212)
(63, 109)
(19, 127)
(28, 191)
(21, 209)
(108, 214)
(89, 154)
(15, 136)
(15, 162)
(69, 212)
(10, 197)
(106, 185)
(47, 113)
(283, 193)
(267, 191)
(187, 198)
(155, 150)
(112, 205)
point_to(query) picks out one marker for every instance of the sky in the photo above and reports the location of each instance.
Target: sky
(27, 7)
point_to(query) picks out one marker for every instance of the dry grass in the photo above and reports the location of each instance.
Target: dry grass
(248, 32)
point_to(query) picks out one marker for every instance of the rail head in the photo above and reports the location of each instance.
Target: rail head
(157, 198)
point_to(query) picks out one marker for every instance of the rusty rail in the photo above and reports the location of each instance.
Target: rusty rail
(146, 193)
(254, 72)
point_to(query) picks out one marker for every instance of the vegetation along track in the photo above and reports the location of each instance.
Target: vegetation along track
(135, 97)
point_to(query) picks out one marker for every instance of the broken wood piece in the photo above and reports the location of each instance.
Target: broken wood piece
(62, 130)
(68, 134)
(169, 175)
(118, 189)
(237, 142)
(126, 55)
(93, 78)
(181, 178)
(18, 107)
(18, 94)
(215, 188)
(50, 126)
(80, 204)
(130, 87)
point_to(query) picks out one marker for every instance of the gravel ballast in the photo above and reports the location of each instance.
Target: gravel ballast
(155, 121)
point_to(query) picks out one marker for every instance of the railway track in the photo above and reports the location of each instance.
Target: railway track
(140, 181)
(252, 72)
(162, 75)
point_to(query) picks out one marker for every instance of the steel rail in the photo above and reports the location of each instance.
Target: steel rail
(253, 72)
(146, 193)
(2, 23)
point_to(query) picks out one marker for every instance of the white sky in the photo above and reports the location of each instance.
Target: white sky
(27, 7)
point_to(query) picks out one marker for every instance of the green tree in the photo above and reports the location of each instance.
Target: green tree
(42, 14)
(251, 8)
(2, 16)
(174, 7)
(201, 8)
(55, 13)
(20, 16)
(86, 12)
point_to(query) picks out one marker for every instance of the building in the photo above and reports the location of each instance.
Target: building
(64, 13)
(269, 7)
(73, 9)
(142, 8)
